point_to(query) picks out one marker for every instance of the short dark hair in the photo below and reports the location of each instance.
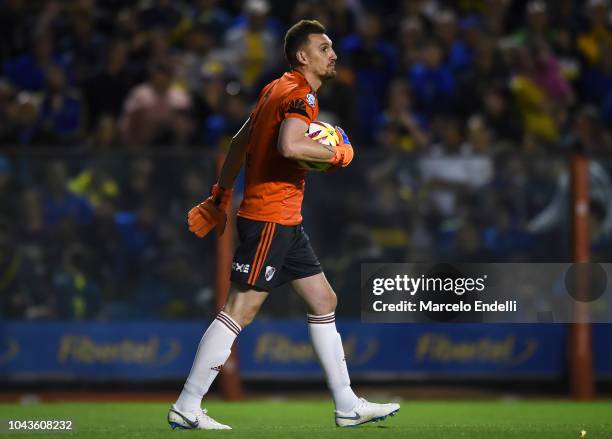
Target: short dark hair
(297, 35)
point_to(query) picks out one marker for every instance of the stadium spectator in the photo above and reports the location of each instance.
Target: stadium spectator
(477, 79)
(459, 47)
(374, 62)
(159, 14)
(537, 25)
(432, 82)
(409, 41)
(548, 76)
(219, 128)
(425, 10)
(106, 90)
(152, 109)
(452, 167)
(478, 137)
(209, 101)
(343, 16)
(445, 30)
(316, 10)
(35, 299)
(199, 44)
(400, 117)
(598, 33)
(106, 136)
(60, 116)
(82, 43)
(22, 128)
(494, 16)
(78, 295)
(28, 71)
(33, 226)
(193, 184)
(465, 244)
(252, 46)
(209, 14)
(587, 133)
(62, 208)
(597, 78)
(501, 116)
(137, 244)
(128, 29)
(139, 181)
(103, 242)
(339, 100)
(504, 239)
(534, 104)
(16, 24)
(95, 183)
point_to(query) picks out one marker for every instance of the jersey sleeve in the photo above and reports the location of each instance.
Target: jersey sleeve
(301, 104)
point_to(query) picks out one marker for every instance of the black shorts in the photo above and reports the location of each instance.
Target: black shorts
(271, 254)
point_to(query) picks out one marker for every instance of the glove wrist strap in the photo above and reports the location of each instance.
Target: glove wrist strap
(219, 194)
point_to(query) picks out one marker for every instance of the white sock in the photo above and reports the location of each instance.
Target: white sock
(213, 351)
(328, 347)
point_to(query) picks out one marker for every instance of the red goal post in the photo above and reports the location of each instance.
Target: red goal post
(580, 350)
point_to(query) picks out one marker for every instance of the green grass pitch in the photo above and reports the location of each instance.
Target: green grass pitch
(314, 420)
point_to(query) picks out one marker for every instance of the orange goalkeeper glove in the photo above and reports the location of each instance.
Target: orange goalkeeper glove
(344, 150)
(210, 213)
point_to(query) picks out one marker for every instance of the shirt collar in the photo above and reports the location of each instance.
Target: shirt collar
(302, 78)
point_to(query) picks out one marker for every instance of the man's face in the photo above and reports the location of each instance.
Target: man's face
(161, 80)
(321, 58)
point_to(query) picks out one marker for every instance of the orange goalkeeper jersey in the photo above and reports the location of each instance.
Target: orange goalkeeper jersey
(274, 185)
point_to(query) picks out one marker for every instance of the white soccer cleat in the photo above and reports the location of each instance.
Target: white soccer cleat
(196, 420)
(365, 411)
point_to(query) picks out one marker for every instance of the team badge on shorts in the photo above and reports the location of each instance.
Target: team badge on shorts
(270, 272)
(311, 99)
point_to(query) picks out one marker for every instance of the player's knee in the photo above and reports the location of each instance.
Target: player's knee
(332, 302)
(327, 304)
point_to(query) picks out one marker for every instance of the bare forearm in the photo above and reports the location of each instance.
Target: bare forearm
(309, 150)
(235, 157)
(231, 166)
(293, 144)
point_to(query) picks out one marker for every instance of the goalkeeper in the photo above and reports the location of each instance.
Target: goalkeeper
(274, 248)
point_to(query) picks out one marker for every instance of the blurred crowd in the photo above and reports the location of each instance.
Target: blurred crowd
(112, 112)
(109, 74)
(103, 237)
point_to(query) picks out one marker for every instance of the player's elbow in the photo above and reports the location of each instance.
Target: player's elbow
(287, 149)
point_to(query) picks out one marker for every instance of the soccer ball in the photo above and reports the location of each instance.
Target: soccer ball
(325, 134)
